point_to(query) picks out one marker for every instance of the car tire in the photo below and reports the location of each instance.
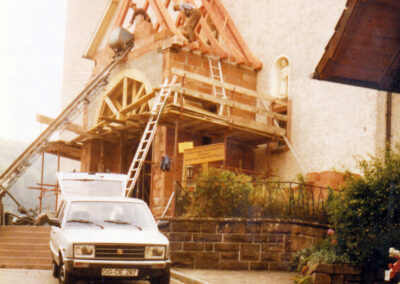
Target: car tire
(163, 279)
(65, 277)
(55, 269)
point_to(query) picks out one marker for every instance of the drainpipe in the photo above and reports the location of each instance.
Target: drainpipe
(388, 139)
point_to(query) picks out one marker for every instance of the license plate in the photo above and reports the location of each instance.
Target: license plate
(119, 272)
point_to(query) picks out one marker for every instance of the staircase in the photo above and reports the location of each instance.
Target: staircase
(25, 247)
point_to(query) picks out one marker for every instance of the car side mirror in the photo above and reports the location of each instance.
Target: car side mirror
(162, 224)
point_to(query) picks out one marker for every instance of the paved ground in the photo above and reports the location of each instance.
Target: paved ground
(240, 277)
(22, 276)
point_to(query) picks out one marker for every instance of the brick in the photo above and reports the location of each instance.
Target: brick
(185, 227)
(345, 269)
(279, 266)
(207, 260)
(193, 246)
(254, 228)
(337, 279)
(321, 278)
(209, 227)
(207, 237)
(208, 246)
(271, 256)
(239, 228)
(226, 247)
(225, 228)
(229, 255)
(272, 247)
(250, 252)
(276, 228)
(321, 268)
(299, 242)
(238, 238)
(180, 237)
(259, 265)
(176, 246)
(183, 259)
(234, 265)
(275, 238)
(260, 238)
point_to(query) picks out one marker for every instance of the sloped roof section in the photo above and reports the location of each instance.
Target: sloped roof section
(216, 34)
(365, 48)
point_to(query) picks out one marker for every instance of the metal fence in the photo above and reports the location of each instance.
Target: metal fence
(275, 199)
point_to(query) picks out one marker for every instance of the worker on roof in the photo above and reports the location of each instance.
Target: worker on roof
(191, 16)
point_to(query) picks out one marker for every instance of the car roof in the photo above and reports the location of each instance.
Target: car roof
(99, 198)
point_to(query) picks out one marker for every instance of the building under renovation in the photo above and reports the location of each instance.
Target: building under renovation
(238, 80)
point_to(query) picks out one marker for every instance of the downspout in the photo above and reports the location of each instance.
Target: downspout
(388, 139)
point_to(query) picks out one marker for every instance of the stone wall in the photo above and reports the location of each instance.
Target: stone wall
(238, 244)
(333, 273)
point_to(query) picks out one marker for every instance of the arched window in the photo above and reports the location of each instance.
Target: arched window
(280, 78)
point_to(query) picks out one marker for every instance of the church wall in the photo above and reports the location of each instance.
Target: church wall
(331, 123)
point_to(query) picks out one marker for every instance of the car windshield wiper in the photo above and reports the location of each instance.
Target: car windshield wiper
(84, 222)
(122, 223)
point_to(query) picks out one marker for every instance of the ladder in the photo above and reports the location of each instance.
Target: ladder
(216, 74)
(148, 135)
(23, 161)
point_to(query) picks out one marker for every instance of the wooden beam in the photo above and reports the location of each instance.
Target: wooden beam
(68, 126)
(138, 102)
(111, 105)
(191, 94)
(227, 86)
(122, 13)
(125, 92)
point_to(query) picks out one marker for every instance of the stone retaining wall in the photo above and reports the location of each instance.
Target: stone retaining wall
(239, 244)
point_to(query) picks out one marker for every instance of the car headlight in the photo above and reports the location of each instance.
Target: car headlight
(83, 251)
(154, 252)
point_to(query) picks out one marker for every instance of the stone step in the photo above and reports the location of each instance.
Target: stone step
(25, 253)
(24, 240)
(25, 260)
(24, 247)
(26, 266)
(25, 228)
(32, 234)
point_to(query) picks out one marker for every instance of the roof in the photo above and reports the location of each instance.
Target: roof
(216, 32)
(365, 47)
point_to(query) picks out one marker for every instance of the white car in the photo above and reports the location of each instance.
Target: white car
(108, 237)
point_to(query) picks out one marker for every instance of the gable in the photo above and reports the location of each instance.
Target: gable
(215, 33)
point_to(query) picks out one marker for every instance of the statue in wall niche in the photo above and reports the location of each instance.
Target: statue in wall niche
(284, 79)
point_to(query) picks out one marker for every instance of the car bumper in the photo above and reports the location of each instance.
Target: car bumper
(93, 268)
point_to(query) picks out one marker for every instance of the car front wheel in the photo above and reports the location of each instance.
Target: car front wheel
(64, 276)
(55, 270)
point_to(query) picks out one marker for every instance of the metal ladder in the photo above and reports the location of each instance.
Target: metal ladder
(23, 161)
(148, 135)
(216, 74)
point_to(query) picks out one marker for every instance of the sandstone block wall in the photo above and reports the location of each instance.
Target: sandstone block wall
(239, 244)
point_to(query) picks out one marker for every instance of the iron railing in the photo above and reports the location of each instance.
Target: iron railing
(272, 199)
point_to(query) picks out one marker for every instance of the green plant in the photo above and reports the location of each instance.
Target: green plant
(303, 279)
(366, 214)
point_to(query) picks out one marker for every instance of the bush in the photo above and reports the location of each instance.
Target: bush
(221, 193)
(366, 215)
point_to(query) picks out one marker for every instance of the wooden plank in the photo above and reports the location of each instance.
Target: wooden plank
(111, 105)
(226, 102)
(138, 102)
(204, 154)
(125, 92)
(122, 13)
(227, 86)
(242, 123)
(68, 126)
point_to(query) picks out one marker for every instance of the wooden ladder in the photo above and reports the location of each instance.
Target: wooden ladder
(216, 74)
(23, 161)
(148, 135)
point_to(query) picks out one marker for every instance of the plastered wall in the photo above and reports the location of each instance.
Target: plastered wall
(332, 124)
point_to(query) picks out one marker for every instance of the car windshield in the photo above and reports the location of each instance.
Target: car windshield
(110, 213)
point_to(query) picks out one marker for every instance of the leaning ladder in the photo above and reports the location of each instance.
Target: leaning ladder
(148, 135)
(216, 74)
(23, 161)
